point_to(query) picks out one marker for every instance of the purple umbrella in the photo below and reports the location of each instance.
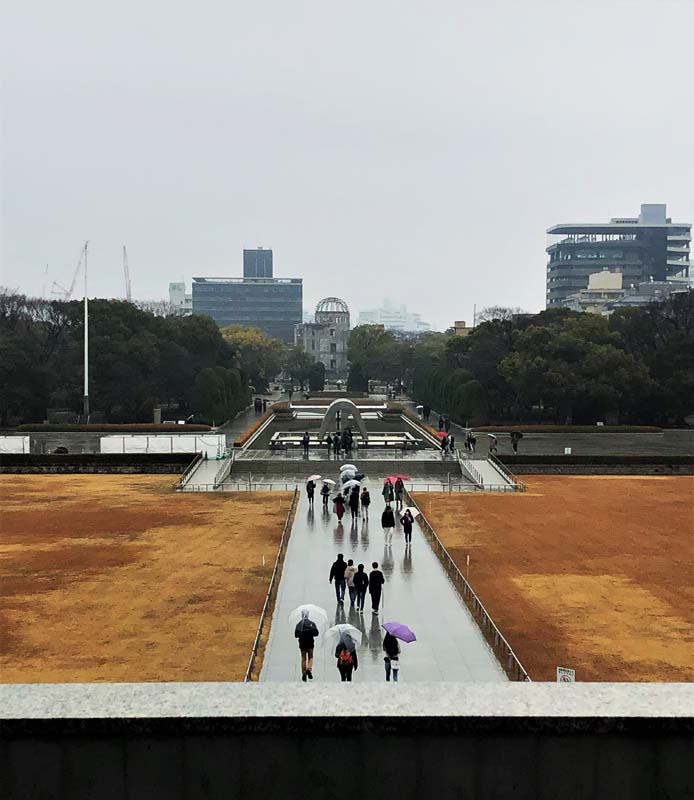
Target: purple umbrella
(400, 631)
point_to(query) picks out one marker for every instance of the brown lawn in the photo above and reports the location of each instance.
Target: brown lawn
(118, 578)
(594, 573)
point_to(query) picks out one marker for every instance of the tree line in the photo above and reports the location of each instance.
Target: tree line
(560, 366)
(137, 361)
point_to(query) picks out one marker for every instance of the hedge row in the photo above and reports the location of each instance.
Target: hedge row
(137, 427)
(570, 428)
(253, 427)
(597, 460)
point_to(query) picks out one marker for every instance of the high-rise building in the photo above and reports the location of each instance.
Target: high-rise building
(394, 319)
(257, 263)
(326, 338)
(180, 301)
(650, 247)
(273, 305)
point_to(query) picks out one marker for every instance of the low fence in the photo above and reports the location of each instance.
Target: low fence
(240, 486)
(190, 469)
(502, 649)
(224, 469)
(451, 488)
(271, 592)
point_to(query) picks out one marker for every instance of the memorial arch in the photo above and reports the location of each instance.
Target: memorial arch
(346, 409)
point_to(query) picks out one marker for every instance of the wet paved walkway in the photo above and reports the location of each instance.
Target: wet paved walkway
(449, 646)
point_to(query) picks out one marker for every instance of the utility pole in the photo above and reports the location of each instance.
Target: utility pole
(126, 274)
(86, 339)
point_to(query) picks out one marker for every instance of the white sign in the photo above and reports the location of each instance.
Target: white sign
(566, 675)
(567, 451)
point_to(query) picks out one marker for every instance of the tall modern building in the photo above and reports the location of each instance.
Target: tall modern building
(394, 319)
(274, 305)
(257, 263)
(650, 247)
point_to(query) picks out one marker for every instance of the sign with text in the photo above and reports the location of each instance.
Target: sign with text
(566, 675)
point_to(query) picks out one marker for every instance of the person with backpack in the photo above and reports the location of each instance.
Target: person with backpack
(325, 494)
(337, 572)
(407, 520)
(306, 632)
(376, 581)
(346, 655)
(361, 584)
(388, 523)
(365, 503)
(350, 573)
(391, 647)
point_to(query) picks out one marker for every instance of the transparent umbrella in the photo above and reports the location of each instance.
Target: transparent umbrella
(350, 484)
(308, 611)
(348, 466)
(344, 632)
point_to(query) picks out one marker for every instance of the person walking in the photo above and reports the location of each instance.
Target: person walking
(350, 572)
(391, 647)
(365, 503)
(447, 424)
(493, 444)
(407, 520)
(388, 523)
(339, 506)
(337, 573)
(388, 494)
(376, 581)
(361, 584)
(354, 503)
(305, 441)
(346, 655)
(399, 490)
(310, 491)
(329, 443)
(336, 444)
(473, 443)
(441, 422)
(451, 443)
(325, 494)
(306, 632)
(444, 445)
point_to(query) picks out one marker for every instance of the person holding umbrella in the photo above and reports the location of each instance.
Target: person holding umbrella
(399, 490)
(395, 631)
(306, 632)
(354, 503)
(325, 494)
(391, 647)
(346, 655)
(310, 490)
(339, 506)
(365, 503)
(376, 581)
(407, 520)
(388, 523)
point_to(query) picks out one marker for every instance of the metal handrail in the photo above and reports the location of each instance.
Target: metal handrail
(506, 472)
(502, 649)
(225, 468)
(275, 571)
(189, 470)
(466, 464)
(240, 486)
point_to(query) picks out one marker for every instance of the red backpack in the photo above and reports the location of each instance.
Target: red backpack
(345, 658)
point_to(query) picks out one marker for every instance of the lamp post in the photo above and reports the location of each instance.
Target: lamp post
(86, 340)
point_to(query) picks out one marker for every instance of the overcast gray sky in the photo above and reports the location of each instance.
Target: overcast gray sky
(410, 150)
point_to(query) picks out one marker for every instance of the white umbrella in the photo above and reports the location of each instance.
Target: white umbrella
(348, 466)
(343, 632)
(349, 484)
(313, 478)
(414, 511)
(315, 614)
(347, 475)
(328, 481)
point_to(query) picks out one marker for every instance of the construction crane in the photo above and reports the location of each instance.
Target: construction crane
(56, 288)
(126, 274)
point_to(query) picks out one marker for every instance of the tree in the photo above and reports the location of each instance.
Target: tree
(298, 365)
(378, 353)
(259, 356)
(316, 376)
(218, 394)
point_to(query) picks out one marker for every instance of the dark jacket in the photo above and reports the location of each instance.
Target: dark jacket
(388, 518)
(376, 581)
(365, 499)
(407, 523)
(305, 632)
(360, 581)
(337, 570)
(310, 488)
(342, 646)
(354, 499)
(391, 646)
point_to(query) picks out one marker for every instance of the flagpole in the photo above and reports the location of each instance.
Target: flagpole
(86, 340)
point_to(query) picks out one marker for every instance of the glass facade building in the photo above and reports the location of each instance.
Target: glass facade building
(649, 247)
(274, 305)
(257, 263)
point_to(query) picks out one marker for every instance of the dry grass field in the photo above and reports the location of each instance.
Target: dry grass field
(118, 578)
(594, 573)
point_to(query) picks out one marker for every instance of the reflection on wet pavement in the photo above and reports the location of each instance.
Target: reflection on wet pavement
(449, 646)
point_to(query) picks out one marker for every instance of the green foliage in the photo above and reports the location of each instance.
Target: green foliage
(298, 365)
(316, 377)
(136, 359)
(377, 352)
(356, 382)
(217, 394)
(260, 357)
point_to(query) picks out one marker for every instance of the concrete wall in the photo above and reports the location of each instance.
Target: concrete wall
(332, 741)
(94, 463)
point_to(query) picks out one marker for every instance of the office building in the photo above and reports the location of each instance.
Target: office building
(273, 305)
(646, 248)
(326, 338)
(394, 318)
(257, 263)
(180, 301)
